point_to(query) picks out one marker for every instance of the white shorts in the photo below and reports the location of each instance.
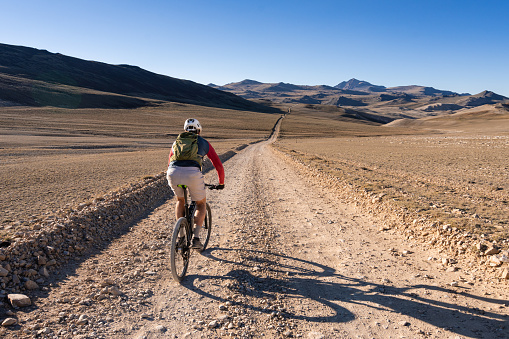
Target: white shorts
(192, 177)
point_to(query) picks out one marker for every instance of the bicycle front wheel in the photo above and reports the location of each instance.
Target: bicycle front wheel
(207, 226)
(180, 249)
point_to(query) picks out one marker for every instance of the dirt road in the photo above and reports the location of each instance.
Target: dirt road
(286, 259)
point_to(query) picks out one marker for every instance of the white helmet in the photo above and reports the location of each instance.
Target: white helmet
(192, 125)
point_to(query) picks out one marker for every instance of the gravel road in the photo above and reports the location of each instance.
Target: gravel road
(286, 259)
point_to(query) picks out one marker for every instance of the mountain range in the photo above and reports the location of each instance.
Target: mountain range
(34, 77)
(393, 102)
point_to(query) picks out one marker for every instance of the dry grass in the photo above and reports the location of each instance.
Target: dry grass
(53, 157)
(458, 178)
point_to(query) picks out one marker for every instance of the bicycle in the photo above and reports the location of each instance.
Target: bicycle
(182, 236)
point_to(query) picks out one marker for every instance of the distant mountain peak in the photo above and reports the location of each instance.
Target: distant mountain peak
(249, 82)
(483, 98)
(359, 85)
(486, 93)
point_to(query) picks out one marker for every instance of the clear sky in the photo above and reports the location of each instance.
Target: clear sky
(457, 45)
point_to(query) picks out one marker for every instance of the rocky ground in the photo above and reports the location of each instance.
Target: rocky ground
(287, 258)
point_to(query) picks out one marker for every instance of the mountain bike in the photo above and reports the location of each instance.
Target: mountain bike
(183, 234)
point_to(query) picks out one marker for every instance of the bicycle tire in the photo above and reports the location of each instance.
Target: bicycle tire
(180, 252)
(207, 226)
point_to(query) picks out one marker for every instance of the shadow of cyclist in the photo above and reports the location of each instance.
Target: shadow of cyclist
(299, 279)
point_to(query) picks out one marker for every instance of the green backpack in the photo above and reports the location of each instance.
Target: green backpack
(186, 148)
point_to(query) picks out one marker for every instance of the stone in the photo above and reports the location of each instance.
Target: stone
(481, 246)
(213, 324)
(494, 261)
(160, 329)
(41, 260)
(454, 284)
(15, 279)
(82, 320)
(44, 272)
(492, 250)
(9, 322)
(404, 323)
(31, 285)
(114, 290)
(45, 330)
(107, 282)
(31, 272)
(223, 318)
(505, 274)
(19, 300)
(3, 272)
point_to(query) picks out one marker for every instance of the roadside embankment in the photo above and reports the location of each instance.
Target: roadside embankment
(456, 247)
(30, 259)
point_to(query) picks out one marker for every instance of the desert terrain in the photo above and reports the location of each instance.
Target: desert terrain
(55, 158)
(354, 211)
(456, 174)
(312, 238)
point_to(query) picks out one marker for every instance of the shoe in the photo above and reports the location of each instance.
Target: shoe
(197, 245)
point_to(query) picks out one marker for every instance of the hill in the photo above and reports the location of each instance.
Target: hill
(387, 102)
(493, 118)
(358, 85)
(33, 77)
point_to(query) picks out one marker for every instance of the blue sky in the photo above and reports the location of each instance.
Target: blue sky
(460, 46)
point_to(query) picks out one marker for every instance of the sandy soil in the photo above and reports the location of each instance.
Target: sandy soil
(286, 259)
(457, 178)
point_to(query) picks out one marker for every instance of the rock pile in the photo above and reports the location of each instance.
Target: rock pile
(30, 259)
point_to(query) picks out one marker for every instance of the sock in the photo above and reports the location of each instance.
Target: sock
(197, 231)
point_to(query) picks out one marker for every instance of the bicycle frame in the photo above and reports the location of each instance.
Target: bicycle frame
(189, 210)
(181, 248)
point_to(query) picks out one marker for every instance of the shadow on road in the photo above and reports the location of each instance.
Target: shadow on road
(299, 279)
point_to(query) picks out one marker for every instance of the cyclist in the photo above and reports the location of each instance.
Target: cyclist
(184, 168)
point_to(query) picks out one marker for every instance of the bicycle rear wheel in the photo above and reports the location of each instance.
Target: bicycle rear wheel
(207, 226)
(180, 249)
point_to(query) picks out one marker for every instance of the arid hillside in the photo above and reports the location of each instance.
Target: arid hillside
(33, 77)
(365, 98)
